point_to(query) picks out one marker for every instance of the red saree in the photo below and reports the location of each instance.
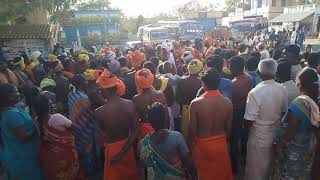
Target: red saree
(145, 128)
(58, 155)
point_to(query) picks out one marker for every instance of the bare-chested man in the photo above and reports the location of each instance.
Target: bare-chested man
(210, 123)
(146, 97)
(187, 90)
(117, 118)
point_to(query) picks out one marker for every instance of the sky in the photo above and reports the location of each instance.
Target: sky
(149, 8)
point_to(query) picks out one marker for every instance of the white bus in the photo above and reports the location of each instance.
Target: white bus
(152, 34)
(186, 29)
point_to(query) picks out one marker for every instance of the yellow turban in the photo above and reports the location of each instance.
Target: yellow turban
(52, 57)
(46, 82)
(91, 74)
(195, 66)
(83, 57)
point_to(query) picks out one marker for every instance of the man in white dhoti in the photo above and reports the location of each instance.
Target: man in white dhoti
(266, 104)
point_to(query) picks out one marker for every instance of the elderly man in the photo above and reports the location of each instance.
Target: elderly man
(266, 104)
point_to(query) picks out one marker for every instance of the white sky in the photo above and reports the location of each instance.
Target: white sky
(153, 7)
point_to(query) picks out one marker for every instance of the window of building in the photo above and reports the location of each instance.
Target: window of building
(274, 3)
(283, 3)
(259, 3)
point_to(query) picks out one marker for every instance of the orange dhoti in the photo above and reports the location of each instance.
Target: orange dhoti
(145, 128)
(211, 158)
(125, 168)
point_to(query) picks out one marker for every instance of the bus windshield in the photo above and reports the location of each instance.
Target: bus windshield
(159, 35)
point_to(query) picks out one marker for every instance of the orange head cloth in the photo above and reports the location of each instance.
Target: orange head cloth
(129, 56)
(137, 59)
(104, 50)
(197, 54)
(106, 80)
(209, 41)
(144, 79)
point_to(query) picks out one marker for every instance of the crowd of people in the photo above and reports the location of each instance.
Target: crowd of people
(174, 110)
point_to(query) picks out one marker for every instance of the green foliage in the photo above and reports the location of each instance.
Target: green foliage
(58, 9)
(94, 4)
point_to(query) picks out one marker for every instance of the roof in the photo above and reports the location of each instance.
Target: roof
(291, 17)
(154, 29)
(25, 31)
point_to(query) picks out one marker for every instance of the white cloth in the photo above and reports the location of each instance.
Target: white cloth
(59, 122)
(293, 37)
(171, 58)
(265, 105)
(265, 54)
(171, 119)
(292, 90)
(259, 158)
(295, 70)
(315, 116)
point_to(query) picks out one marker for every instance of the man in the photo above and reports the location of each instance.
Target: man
(162, 84)
(208, 52)
(244, 52)
(241, 85)
(291, 55)
(146, 97)
(226, 73)
(225, 86)
(187, 88)
(263, 51)
(166, 55)
(283, 76)
(252, 66)
(210, 124)
(313, 61)
(116, 128)
(265, 105)
(127, 78)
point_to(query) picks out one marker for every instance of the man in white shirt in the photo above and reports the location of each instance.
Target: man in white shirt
(266, 104)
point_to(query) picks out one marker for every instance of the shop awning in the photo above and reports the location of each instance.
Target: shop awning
(291, 17)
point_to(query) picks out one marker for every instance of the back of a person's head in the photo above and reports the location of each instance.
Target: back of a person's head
(219, 52)
(5, 91)
(149, 65)
(236, 65)
(308, 82)
(277, 54)
(78, 80)
(293, 49)
(284, 71)
(155, 60)
(268, 67)
(211, 79)
(215, 62)
(123, 61)
(66, 63)
(252, 63)
(313, 59)
(41, 105)
(256, 54)
(156, 115)
(242, 48)
(229, 54)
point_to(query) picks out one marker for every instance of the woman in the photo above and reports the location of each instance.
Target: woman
(57, 150)
(296, 139)
(18, 142)
(77, 98)
(164, 153)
